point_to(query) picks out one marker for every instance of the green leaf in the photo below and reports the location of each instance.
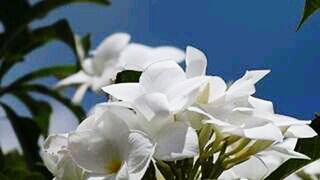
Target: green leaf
(128, 76)
(150, 173)
(77, 110)
(59, 72)
(42, 8)
(40, 110)
(309, 147)
(23, 44)
(13, 159)
(12, 13)
(310, 7)
(27, 133)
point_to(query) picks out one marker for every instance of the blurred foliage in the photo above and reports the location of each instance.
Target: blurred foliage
(128, 76)
(19, 39)
(308, 146)
(310, 7)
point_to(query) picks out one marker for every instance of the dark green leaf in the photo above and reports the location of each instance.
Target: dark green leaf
(12, 13)
(309, 147)
(150, 174)
(311, 6)
(128, 76)
(77, 110)
(45, 6)
(23, 44)
(56, 71)
(27, 133)
(14, 159)
(3, 177)
(40, 110)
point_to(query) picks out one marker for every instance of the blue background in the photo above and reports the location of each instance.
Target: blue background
(235, 35)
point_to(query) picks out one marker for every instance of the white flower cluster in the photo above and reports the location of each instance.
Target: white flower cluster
(113, 55)
(170, 114)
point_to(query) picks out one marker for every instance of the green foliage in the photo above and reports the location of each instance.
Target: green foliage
(311, 6)
(18, 40)
(14, 167)
(128, 76)
(27, 133)
(309, 147)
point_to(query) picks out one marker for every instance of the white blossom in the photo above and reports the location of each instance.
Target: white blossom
(114, 55)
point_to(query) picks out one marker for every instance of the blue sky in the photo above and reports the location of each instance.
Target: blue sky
(236, 36)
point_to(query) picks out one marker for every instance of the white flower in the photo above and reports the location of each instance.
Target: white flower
(234, 111)
(109, 149)
(163, 88)
(265, 162)
(57, 159)
(138, 56)
(114, 55)
(173, 140)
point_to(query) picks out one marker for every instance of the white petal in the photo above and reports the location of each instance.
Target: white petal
(135, 57)
(289, 153)
(87, 124)
(196, 62)
(265, 132)
(217, 88)
(185, 93)
(140, 155)
(77, 78)
(300, 131)
(112, 45)
(165, 53)
(78, 96)
(261, 105)
(160, 76)
(153, 106)
(245, 85)
(125, 91)
(244, 169)
(108, 51)
(176, 141)
(108, 142)
(92, 151)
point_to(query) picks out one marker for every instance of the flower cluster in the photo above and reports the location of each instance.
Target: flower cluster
(169, 116)
(114, 55)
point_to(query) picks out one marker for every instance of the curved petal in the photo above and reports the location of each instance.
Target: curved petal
(109, 50)
(217, 88)
(50, 152)
(78, 96)
(77, 78)
(183, 145)
(167, 53)
(261, 105)
(112, 45)
(140, 154)
(184, 93)
(264, 132)
(135, 57)
(245, 85)
(153, 106)
(244, 170)
(300, 131)
(94, 150)
(196, 62)
(125, 91)
(160, 76)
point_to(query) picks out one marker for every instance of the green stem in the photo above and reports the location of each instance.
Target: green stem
(218, 166)
(195, 169)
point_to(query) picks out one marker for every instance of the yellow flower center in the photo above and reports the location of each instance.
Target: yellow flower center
(113, 166)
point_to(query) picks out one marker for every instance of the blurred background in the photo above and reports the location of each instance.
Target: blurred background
(236, 36)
